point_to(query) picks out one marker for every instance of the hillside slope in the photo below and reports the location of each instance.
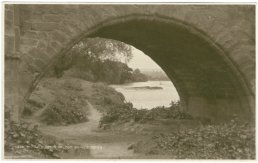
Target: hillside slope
(66, 100)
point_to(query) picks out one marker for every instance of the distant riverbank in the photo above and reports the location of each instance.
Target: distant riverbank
(148, 94)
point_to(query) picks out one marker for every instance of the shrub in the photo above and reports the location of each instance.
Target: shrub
(31, 106)
(125, 112)
(226, 141)
(73, 85)
(23, 139)
(65, 110)
(117, 112)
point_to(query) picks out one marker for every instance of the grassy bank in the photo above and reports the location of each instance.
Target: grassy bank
(64, 101)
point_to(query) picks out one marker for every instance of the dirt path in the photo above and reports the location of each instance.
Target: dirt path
(103, 144)
(94, 118)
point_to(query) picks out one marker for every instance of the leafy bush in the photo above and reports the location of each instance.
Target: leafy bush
(106, 97)
(65, 110)
(173, 112)
(125, 112)
(31, 106)
(23, 139)
(29, 110)
(226, 141)
(80, 73)
(117, 112)
(72, 85)
(36, 103)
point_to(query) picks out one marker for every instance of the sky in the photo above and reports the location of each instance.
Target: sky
(142, 61)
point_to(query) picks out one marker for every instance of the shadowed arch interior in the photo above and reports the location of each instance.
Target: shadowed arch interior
(195, 66)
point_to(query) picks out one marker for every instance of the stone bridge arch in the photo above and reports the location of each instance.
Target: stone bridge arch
(208, 51)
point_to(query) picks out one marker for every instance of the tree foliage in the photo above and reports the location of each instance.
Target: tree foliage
(102, 49)
(91, 50)
(97, 59)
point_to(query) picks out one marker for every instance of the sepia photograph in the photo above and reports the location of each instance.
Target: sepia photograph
(129, 81)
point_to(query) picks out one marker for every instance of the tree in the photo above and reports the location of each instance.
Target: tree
(97, 59)
(91, 51)
(138, 76)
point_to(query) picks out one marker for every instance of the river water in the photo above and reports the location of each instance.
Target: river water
(148, 94)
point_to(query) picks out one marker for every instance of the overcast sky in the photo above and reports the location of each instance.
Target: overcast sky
(142, 61)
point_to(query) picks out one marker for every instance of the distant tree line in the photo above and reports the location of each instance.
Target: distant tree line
(99, 60)
(111, 72)
(156, 75)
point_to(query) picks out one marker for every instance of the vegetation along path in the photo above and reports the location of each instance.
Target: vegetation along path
(103, 144)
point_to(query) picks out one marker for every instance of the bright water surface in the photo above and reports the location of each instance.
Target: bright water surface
(146, 97)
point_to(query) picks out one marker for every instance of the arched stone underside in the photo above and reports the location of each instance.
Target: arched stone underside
(207, 51)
